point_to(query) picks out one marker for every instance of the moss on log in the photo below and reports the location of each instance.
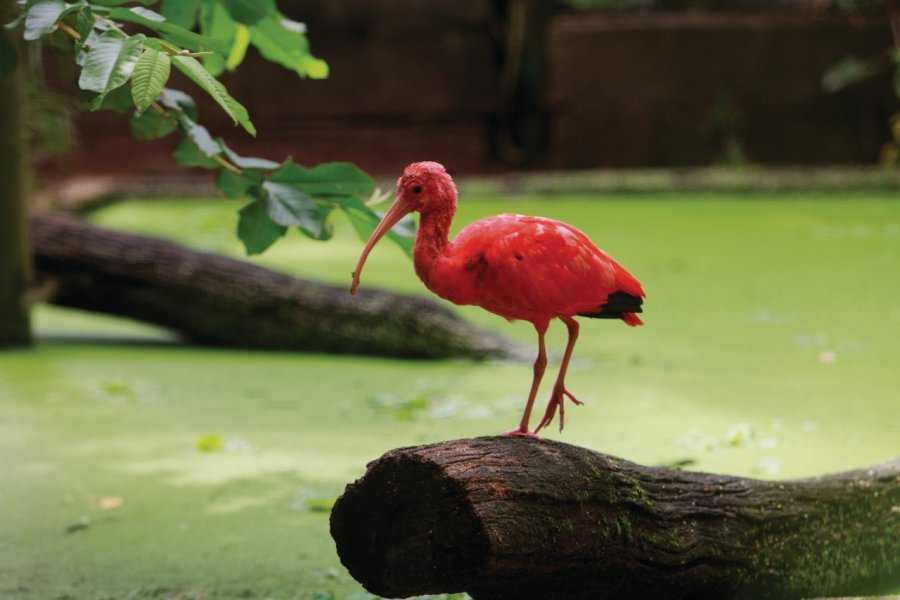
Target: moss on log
(213, 299)
(512, 518)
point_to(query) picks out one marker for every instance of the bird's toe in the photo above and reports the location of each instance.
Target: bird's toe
(519, 432)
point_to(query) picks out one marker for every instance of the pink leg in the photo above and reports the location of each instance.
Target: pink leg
(540, 364)
(560, 393)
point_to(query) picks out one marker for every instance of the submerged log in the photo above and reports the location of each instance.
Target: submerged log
(216, 300)
(513, 518)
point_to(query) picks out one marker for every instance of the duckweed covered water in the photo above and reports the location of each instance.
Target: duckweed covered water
(135, 467)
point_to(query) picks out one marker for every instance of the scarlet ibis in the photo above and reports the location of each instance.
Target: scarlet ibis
(515, 266)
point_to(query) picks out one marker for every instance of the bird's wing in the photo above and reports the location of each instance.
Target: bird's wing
(520, 267)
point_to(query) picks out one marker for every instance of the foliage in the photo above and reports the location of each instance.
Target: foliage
(851, 70)
(127, 52)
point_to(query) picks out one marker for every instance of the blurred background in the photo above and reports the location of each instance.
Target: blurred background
(484, 86)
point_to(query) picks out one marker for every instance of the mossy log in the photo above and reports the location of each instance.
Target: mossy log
(216, 300)
(513, 518)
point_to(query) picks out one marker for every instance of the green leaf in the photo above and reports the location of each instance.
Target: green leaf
(181, 12)
(848, 71)
(121, 2)
(238, 185)
(169, 31)
(364, 221)
(283, 41)
(189, 155)
(217, 23)
(151, 72)
(288, 205)
(214, 63)
(15, 22)
(201, 138)
(324, 187)
(327, 179)
(118, 100)
(327, 230)
(146, 13)
(179, 101)
(90, 27)
(42, 17)
(150, 125)
(195, 71)
(238, 48)
(250, 12)
(256, 229)
(110, 63)
(87, 42)
(84, 25)
(246, 162)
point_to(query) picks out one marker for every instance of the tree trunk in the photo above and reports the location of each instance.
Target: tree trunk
(510, 518)
(14, 252)
(217, 300)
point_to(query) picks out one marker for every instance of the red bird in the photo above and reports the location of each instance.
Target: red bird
(518, 267)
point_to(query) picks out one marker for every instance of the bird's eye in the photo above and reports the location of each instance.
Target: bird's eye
(416, 189)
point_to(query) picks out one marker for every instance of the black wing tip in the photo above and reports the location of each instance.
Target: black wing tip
(617, 304)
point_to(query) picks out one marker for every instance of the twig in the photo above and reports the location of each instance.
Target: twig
(69, 30)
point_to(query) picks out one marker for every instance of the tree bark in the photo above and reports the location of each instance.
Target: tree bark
(216, 300)
(515, 518)
(14, 252)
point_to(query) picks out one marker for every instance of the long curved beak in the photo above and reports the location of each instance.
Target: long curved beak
(397, 211)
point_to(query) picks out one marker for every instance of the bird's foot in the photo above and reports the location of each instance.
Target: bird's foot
(568, 395)
(519, 432)
(557, 399)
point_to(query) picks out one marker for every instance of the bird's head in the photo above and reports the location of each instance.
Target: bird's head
(424, 187)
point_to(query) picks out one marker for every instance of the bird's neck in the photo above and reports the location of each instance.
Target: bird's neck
(431, 240)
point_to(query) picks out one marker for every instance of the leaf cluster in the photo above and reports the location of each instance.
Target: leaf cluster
(851, 70)
(127, 51)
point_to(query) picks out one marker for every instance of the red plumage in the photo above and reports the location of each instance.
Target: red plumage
(528, 268)
(519, 267)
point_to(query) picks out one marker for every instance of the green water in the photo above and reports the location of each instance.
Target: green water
(770, 350)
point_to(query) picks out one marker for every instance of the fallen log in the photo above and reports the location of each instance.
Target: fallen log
(512, 518)
(216, 300)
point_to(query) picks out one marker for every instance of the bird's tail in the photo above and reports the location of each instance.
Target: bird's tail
(620, 305)
(632, 319)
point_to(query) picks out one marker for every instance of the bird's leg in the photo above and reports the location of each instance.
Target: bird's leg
(560, 393)
(540, 364)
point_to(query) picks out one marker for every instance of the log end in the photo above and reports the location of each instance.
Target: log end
(397, 543)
